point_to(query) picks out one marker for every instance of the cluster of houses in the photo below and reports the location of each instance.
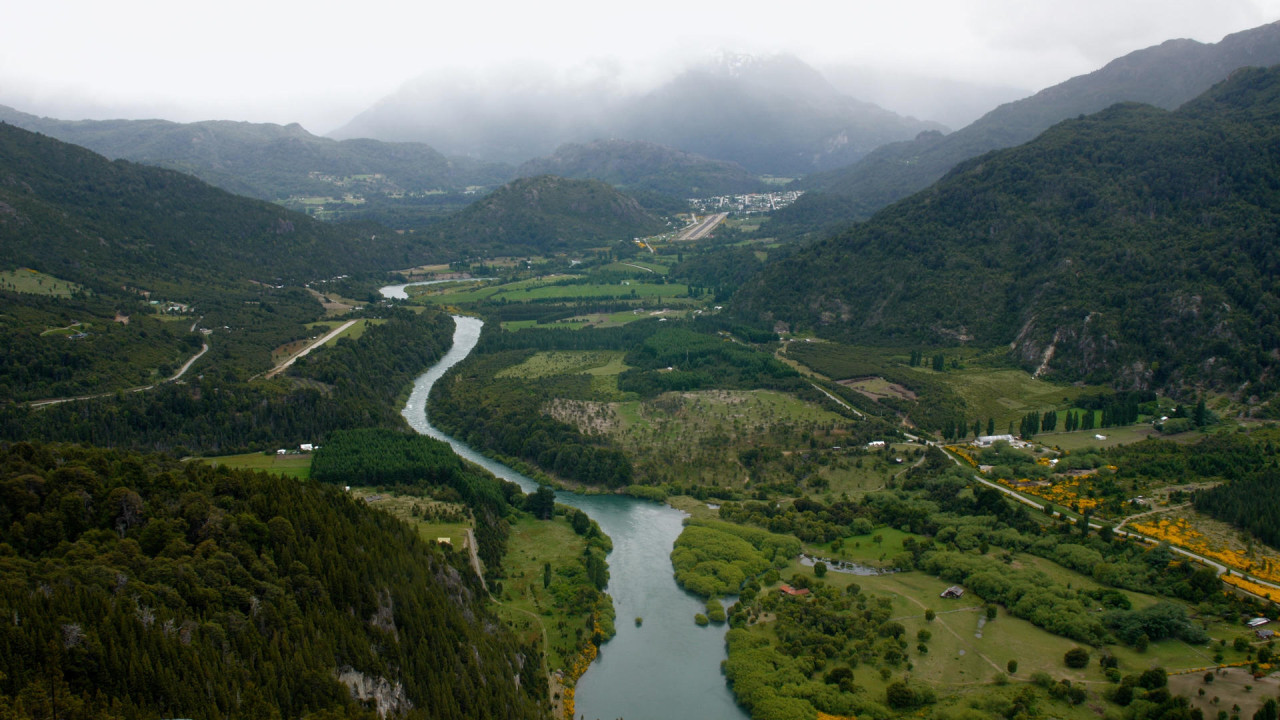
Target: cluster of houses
(303, 448)
(746, 204)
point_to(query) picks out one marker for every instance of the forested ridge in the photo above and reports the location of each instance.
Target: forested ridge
(1136, 243)
(72, 213)
(137, 586)
(353, 383)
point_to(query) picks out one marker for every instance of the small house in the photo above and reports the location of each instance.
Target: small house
(1257, 622)
(954, 591)
(306, 447)
(794, 592)
(1265, 634)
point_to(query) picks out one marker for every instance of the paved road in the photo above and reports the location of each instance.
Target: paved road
(204, 348)
(331, 335)
(700, 230)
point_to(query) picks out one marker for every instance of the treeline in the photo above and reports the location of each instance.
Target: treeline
(385, 457)
(505, 415)
(351, 383)
(63, 347)
(141, 587)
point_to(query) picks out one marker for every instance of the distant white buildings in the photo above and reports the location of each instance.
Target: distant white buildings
(984, 441)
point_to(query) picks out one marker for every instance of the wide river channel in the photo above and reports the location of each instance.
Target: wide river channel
(666, 668)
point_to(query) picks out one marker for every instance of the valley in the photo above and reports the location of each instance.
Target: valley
(541, 437)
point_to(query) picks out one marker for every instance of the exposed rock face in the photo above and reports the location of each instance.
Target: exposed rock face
(388, 698)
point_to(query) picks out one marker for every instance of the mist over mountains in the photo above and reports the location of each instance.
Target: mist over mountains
(773, 115)
(1166, 75)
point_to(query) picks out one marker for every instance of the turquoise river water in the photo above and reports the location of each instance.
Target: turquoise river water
(668, 668)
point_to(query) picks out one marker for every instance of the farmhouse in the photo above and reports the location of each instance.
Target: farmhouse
(1258, 621)
(788, 590)
(954, 591)
(989, 440)
(1265, 634)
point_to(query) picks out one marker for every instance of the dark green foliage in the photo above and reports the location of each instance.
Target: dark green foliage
(349, 384)
(1165, 75)
(382, 457)
(109, 356)
(1157, 622)
(716, 558)
(273, 162)
(631, 165)
(156, 588)
(1076, 657)
(1133, 237)
(546, 215)
(73, 214)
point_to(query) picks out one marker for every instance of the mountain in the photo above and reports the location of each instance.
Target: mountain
(546, 214)
(72, 213)
(631, 165)
(205, 593)
(954, 103)
(772, 115)
(273, 162)
(1135, 246)
(1166, 75)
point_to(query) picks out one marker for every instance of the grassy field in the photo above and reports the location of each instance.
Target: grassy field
(1005, 394)
(545, 288)
(294, 465)
(967, 652)
(568, 362)
(1081, 439)
(596, 320)
(417, 511)
(26, 280)
(532, 544)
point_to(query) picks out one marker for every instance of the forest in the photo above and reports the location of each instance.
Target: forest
(354, 383)
(143, 587)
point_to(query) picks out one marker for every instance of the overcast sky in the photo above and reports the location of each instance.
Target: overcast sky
(320, 62)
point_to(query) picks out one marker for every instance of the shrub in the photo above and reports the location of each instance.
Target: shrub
(1077, 658)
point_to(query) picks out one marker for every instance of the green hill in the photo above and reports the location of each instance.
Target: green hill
(1135, 246)
(1166, 75)
(284, 163)
(74, 214)
(137, 586)
(546, 214)
(635, 166)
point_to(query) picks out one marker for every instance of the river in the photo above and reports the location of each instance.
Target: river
(666, 668)
(399, 292)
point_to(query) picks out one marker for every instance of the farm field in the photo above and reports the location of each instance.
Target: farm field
(432, 519)
(596, 320)
(545, 288)
(1005, 394)
(294, 464)
(533, 543)
(26, 280)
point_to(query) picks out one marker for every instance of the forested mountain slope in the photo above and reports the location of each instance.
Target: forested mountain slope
(136, 586)
(1165, 75)
(645, 166)
(74, 214)
(1135, 246)
(546, 214)
(263, 160)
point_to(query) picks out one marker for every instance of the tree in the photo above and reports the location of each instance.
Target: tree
(1012, 667)
(546, 575)
(820, 569)
(929, 615)
(541, 503)
(1076, 658)
(991, 426)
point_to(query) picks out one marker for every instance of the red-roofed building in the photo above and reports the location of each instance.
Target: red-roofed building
(788, 590)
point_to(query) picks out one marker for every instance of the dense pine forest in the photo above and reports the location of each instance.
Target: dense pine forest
(1134, 243)
(140, 587)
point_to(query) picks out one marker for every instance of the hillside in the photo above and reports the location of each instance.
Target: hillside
(546, 214)
(142, 587)
(770, 114)
(279, 163)
(74, 214)
(632, 166)
(1134, 246)
(1166, 76)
